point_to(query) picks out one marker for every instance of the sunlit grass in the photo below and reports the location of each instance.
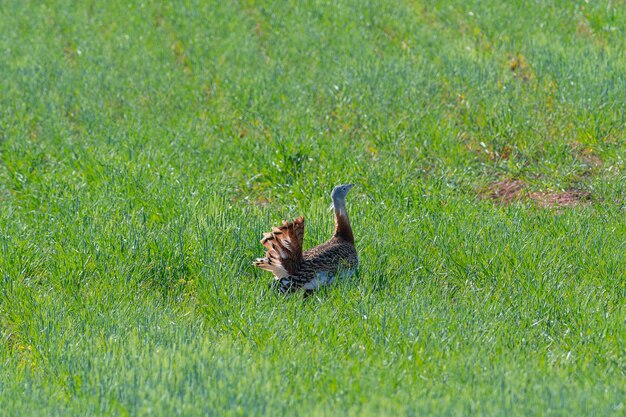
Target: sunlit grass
(145, 148)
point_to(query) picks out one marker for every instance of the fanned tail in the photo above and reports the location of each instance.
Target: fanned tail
(284, 249)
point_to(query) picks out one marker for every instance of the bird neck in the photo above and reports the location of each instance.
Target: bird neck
(342, 222)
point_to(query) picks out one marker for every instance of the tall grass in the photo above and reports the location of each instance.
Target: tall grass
(146, 147)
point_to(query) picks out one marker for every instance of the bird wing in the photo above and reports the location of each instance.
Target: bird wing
(330, 256)
(284, 249)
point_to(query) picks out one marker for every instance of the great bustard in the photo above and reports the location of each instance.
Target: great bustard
(294, 268)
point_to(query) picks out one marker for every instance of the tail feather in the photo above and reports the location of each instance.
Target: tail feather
(284, 249)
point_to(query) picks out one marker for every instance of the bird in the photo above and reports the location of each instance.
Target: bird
(295, 269)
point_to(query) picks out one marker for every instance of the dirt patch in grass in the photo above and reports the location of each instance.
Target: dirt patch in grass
(505, 191)
(570, 198)
(508, 191)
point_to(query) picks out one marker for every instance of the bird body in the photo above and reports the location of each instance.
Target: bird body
(294, 268)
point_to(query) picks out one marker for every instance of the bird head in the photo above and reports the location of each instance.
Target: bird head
(339, 192)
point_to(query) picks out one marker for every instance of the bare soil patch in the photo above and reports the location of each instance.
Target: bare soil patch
(508, 190)
(570, 198)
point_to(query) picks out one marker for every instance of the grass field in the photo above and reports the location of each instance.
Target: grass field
(146, 147)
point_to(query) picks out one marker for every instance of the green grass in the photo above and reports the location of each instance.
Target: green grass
(145, 148)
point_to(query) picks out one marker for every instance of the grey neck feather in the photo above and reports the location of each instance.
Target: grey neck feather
(340, 205)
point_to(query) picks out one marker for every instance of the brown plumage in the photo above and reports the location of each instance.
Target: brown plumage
(294, 268)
